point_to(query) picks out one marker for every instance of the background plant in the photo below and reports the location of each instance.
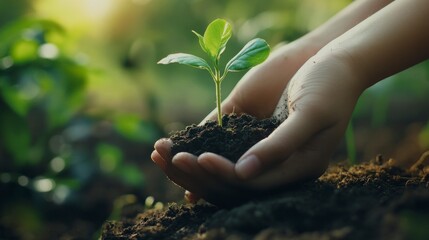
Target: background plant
(51, 152)
(214, 43)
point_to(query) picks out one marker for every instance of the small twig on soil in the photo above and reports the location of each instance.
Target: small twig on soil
(420, 162)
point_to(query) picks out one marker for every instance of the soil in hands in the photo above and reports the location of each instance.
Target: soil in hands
(372, 200)
(232, 140)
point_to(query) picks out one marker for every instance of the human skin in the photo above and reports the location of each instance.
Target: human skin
(370, 41)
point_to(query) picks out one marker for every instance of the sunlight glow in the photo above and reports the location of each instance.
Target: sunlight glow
(48, 51)
(61, 193)
(44, 184)
(23, 180)
(78, 14)
(158, 206)
(6, 62)
(97, 9)
(149, 201)
(57, 164)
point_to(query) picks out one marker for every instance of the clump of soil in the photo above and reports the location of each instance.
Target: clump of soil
(232, 140)
(368, 201)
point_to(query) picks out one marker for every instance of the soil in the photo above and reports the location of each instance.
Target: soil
(233, 139)
(371, 200)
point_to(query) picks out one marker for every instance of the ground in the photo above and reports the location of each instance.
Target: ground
(371, 200)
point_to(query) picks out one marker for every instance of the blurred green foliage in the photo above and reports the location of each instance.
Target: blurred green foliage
(49, 148)
(40, 89)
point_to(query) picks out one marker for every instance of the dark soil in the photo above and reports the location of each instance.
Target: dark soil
(233, 139)
(374, 200)
(367, 201)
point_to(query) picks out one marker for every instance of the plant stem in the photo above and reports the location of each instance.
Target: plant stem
(218, 102)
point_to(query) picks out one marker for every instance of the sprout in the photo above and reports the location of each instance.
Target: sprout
(214, 43)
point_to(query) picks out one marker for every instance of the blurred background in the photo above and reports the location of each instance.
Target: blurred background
(82, 101)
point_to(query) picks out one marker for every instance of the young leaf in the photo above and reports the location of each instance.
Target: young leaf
(187, 59)
(216, 36)
(201, 41)
(252, 54)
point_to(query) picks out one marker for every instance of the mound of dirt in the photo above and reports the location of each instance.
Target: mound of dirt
(372, 200)
(232, 140)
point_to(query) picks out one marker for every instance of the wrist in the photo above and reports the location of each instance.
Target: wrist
(345, 73)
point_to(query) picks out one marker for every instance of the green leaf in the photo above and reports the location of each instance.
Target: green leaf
(201, 41)
(252, 54)
(216, 36)
(187, 59)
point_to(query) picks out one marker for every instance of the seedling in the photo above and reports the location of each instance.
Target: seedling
(214, 43)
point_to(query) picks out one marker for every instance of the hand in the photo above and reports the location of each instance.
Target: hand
(321, 98)
(257, 93)
(286, 156)
(222, 188)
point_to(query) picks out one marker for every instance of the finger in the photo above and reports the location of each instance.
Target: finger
(162, 157)
(218, 166)
(307, 163)
(163, 147)
(185, 162)
(175, 175)
(158, 160)
(287, 138)
(192, 197)
(204, 184)
(189, 163)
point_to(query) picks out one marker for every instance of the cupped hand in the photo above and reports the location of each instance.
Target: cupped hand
(216, 184)
(320, 100)
(321, 97)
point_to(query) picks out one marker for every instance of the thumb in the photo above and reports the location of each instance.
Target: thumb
(290, 136)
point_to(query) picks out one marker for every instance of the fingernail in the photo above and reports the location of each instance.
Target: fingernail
(247, 167)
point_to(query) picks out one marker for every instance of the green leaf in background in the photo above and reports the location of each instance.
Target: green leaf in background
(112, 162)
(14, 97)
(134, 128)
(24, 50)
(216, 36)
(187, 59)
(252, 54)
(16, 137)
(130, 174)
(12, 34)
(110, 157)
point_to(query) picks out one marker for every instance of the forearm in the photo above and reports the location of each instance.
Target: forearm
(283, 63)
(346, 19)
(389, 41)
